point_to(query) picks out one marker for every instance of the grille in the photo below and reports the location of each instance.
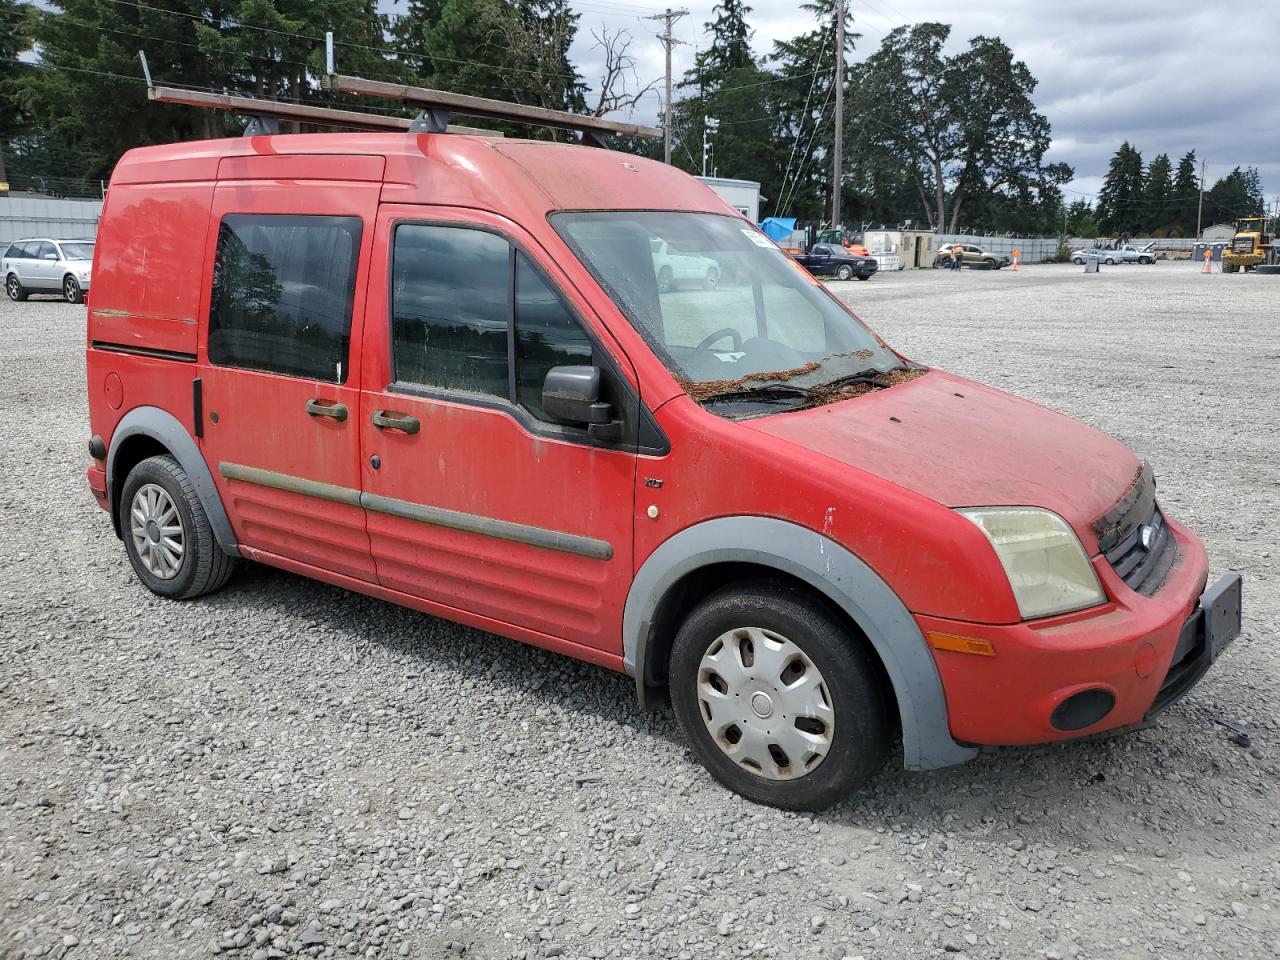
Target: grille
(1242, 245)
(1135, 539)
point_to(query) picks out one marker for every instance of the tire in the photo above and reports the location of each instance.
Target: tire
(13, 286)
(1145, 260)
(666, 280)
(711, 279)
(1229, 268)
(797, 630)
(995, 265)
(1268, 269)
(844, 272)
(71, 291)
(1078, 261)
(1110, 261)
(201, 565)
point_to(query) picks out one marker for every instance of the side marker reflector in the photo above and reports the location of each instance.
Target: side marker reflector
(957, 644)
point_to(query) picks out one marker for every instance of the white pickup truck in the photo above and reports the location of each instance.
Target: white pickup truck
(1126, 253)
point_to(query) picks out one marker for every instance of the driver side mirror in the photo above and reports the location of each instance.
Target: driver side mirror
(50, 256)
(571, 395)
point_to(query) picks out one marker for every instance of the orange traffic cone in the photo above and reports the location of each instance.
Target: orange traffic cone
(1016, 254)
(1208, 261)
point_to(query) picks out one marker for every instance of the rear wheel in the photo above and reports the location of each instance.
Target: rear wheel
(167, 534)
(71, 291)
(14, 288)
(778, 700)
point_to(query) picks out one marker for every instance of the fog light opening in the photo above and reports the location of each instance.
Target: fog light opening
(1082, 709)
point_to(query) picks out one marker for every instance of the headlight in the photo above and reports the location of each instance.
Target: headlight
(1042, 557)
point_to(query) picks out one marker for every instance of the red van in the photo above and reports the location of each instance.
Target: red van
(442, 370)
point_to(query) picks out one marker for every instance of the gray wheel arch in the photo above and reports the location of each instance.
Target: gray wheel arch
(842, 578)
(164, 428)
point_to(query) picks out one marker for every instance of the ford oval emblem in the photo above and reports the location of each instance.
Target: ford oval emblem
(1147, 536)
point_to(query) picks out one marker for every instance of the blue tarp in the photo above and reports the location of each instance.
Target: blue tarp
(778, 228)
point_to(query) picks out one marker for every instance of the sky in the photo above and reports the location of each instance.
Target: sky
(1153, 72)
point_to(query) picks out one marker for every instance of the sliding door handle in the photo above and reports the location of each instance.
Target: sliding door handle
(327, 408)
(393, 420)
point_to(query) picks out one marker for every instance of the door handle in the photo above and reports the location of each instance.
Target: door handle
(327, 408)
(391, 420)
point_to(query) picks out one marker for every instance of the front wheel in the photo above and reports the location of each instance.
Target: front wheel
(71, 291)
(666, 280)
(777, 697)
(1078, 261)
(1145, 260)
(1109, 261)
(166, 532)
(844, 272)
(711, 279)
(14, 288)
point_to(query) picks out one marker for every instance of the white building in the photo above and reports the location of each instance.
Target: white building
(1219, 231)
(742, 195)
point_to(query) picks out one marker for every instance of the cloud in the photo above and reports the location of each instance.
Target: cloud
(1168, 76)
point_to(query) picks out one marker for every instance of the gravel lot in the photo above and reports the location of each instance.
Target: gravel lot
(287, 769)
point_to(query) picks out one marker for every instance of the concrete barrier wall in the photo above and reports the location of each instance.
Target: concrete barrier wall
(29, 216)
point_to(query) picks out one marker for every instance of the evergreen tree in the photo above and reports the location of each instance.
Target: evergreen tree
(1120, 199)
(1157, 194)
(1238, 194)
(16, 21)
(804, 100)
(1186, 190)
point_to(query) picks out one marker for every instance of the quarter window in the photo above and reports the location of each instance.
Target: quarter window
(547, 335)
(283, 288)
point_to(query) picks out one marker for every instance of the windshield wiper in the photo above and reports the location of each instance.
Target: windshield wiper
(768, 391)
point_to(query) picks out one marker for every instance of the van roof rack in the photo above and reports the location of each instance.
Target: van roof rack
(438, 104)
(265, 115)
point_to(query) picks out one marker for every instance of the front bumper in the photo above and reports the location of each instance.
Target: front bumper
(1140, 652)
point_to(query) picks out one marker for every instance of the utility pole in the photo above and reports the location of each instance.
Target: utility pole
(668, 41)
(1200, 205)
(838, 159)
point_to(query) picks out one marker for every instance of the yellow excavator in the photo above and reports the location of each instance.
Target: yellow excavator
(1253, 247)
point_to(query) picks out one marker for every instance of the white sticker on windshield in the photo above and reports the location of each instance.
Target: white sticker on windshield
(759, 239)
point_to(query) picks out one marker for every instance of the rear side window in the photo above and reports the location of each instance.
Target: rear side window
(283, 288)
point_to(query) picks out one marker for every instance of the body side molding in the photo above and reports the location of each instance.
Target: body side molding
(835, 572)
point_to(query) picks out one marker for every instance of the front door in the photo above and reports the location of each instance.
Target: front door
(278, 386)
(477, 502)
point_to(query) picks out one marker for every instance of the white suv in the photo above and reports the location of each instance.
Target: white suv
(41, 265)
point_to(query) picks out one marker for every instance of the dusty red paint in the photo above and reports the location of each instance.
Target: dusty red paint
(881, 487)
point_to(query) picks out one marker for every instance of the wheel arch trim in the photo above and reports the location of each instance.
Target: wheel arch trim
(164, 428)
(841, 577)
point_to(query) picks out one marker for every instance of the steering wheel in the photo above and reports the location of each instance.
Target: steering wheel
(720, 335)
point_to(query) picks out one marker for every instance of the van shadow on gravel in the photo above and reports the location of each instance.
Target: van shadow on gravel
(1030, 788)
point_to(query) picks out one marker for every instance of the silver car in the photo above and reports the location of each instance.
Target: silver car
(42, 265)
(1127, 253)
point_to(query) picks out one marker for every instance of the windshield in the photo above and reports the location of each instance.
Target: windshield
(77, 251)
(720, 304)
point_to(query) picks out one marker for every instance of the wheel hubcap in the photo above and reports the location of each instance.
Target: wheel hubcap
(156, 528)
(765, 703)
(69, 289)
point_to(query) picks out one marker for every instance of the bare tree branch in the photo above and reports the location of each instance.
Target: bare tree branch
(619, 73)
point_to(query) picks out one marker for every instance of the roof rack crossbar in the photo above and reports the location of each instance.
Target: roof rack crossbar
(593, 129)
(262, 110)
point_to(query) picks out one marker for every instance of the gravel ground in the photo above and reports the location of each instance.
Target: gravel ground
(286, 769)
